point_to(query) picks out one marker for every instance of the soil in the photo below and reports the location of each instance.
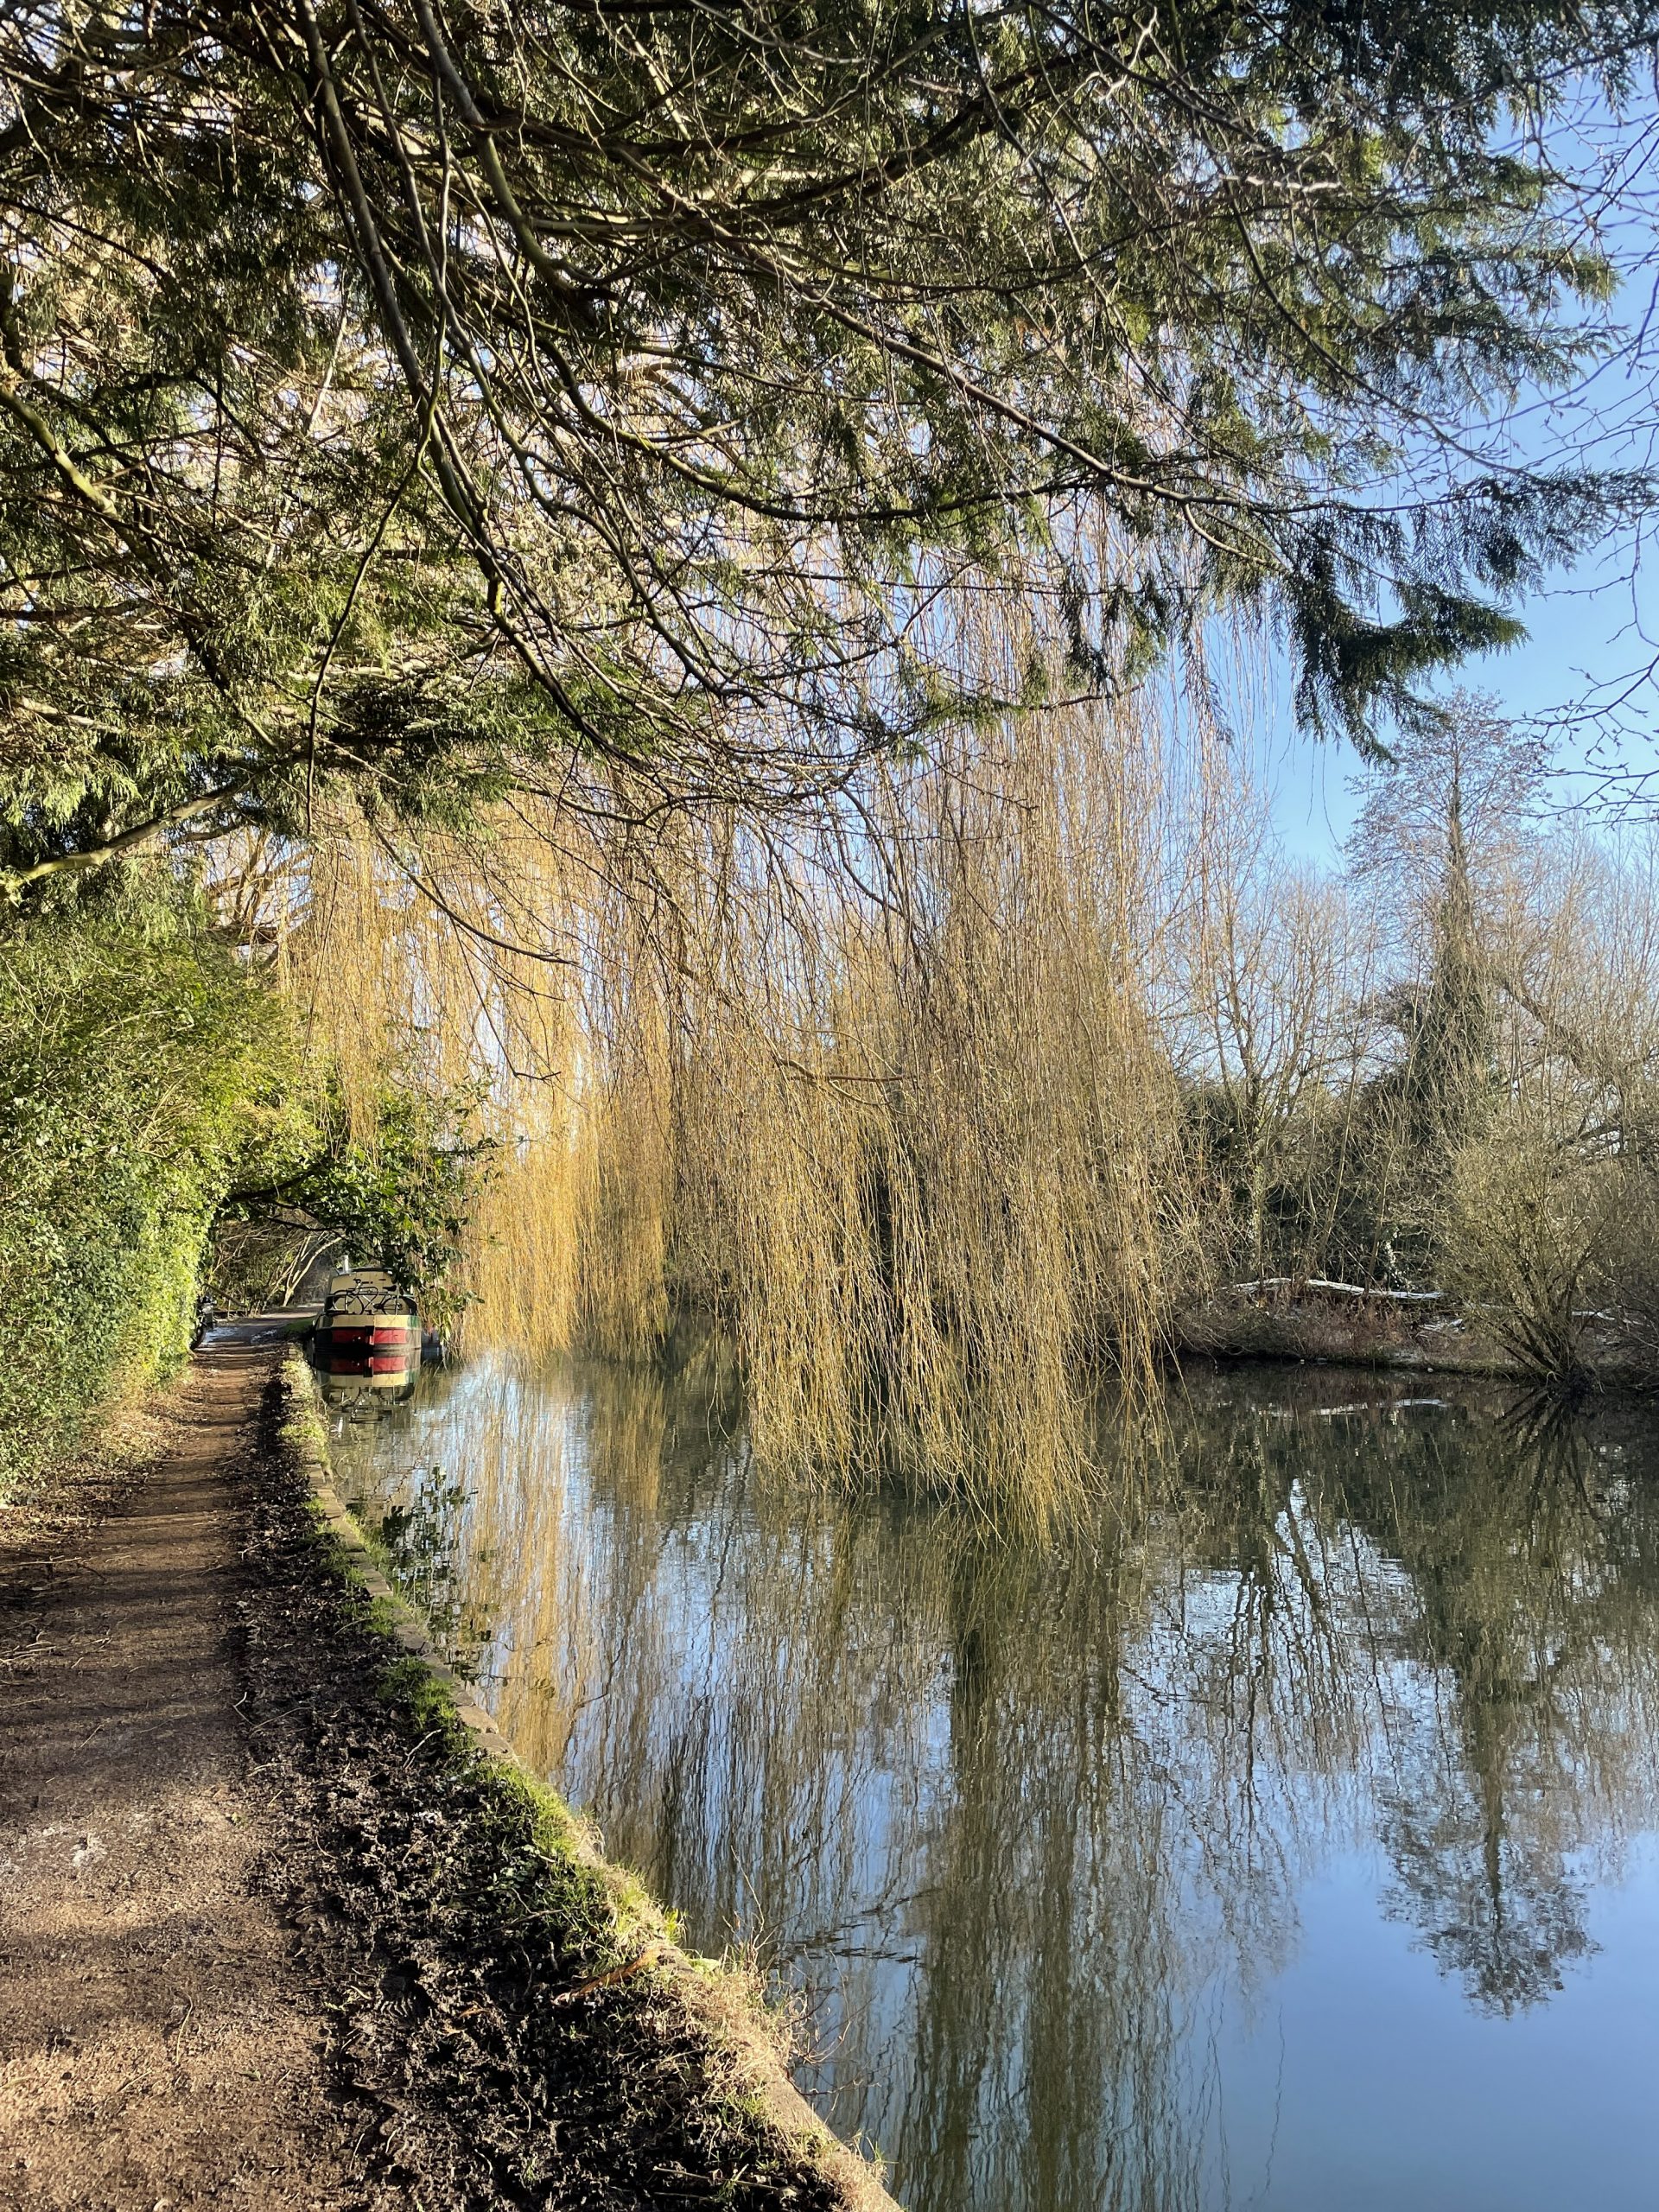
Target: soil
(265, 1938)
(161, 2043)
(1291, 1324)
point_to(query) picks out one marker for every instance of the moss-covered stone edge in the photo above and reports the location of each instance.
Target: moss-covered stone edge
(618, 1923)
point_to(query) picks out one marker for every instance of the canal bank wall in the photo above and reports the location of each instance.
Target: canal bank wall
(629, 1942)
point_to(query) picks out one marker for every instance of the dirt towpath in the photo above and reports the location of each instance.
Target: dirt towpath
(274, 1932)
(160, 2042)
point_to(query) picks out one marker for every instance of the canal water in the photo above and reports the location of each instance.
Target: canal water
(1283, 1833)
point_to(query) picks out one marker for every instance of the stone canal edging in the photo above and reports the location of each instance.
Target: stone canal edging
(715, 1997)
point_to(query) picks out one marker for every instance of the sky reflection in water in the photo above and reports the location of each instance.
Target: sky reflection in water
(1283, 1836)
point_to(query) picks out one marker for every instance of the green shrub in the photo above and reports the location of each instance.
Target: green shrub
(399, 1197)
(141, 1065)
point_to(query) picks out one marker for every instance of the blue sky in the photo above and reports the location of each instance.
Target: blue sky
(1594, 629)
(1585, 633)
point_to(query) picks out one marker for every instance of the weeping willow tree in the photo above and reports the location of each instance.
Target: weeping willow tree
(947, 1106)
(932, 1152)
(887, 1102)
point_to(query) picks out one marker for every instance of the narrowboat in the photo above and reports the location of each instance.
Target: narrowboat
(369, 1337)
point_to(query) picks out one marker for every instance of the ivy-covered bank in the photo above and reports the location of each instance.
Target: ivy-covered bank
(140, 1063)
(164, 1128)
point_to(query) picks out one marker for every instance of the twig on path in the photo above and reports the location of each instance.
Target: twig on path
(648, 1957)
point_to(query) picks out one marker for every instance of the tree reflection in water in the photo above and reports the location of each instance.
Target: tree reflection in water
(1024, 1823)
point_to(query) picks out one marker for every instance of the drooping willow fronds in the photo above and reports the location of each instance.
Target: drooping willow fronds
(886, 1103)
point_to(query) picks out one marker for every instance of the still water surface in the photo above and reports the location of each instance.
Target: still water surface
(1285, 1834)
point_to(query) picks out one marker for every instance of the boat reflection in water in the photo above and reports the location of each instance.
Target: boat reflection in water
(367, 1346)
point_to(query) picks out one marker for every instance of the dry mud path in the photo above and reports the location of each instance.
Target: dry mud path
(273, 1933)
(160, 2040)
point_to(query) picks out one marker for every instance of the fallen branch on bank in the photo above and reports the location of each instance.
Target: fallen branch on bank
(1343, 1289)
